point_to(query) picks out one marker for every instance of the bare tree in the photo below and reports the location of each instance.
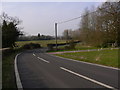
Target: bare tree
(102, 26)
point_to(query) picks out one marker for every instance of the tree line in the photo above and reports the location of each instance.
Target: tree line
(99, 27)
(35, 37)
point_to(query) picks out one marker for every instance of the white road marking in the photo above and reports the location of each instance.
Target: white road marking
(43, 60)
(87, 78)
(18, 81)
(34, 54)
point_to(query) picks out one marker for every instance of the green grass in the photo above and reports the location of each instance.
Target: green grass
(104, 57)
(84, 47)
(42, 42)
(60, 48)
(8, 76)
(80, 47)
(77, 47)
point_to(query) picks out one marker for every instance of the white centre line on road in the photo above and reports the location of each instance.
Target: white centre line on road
(34, 54)
(87, 78)
(43, 60)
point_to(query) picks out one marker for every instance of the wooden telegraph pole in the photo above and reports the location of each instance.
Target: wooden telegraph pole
(56, 34)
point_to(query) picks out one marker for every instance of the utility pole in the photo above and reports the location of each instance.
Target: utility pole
(56, 34)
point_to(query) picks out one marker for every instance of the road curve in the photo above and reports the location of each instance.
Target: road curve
(40, 70)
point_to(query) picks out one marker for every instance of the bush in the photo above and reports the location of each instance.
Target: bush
(104, 45)
(67, 47)
(31, 46)
(6, 52)
(72, 45)
(50, 46)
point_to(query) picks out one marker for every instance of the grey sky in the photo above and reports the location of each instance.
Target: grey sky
(39, 17)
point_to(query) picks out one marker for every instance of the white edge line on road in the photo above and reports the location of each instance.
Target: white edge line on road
(43, 59)
(92, 80)
(86, 62)
(18, 81)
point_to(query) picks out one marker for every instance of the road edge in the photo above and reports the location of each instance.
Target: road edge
(86, 62)
(17, 76)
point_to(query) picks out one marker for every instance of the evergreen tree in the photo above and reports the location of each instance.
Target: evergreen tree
(10, 32)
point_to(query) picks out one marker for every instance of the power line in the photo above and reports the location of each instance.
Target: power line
(75, 18)
(79, 16)
(69, 20)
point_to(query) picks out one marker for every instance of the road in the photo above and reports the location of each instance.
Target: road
(40, 70)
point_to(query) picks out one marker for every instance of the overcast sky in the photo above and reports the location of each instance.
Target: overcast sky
(39, 17)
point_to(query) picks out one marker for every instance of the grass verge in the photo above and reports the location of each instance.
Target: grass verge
(103, 57)
(8, 75)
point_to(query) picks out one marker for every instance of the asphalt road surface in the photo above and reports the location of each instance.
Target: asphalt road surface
(40, 70)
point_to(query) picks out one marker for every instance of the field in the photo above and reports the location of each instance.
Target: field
(42, 42)
(104, 57)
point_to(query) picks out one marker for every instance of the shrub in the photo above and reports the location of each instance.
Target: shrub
(7, 52)
(31, 46)
(72, 45)
(50, 46)
(67, 47)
